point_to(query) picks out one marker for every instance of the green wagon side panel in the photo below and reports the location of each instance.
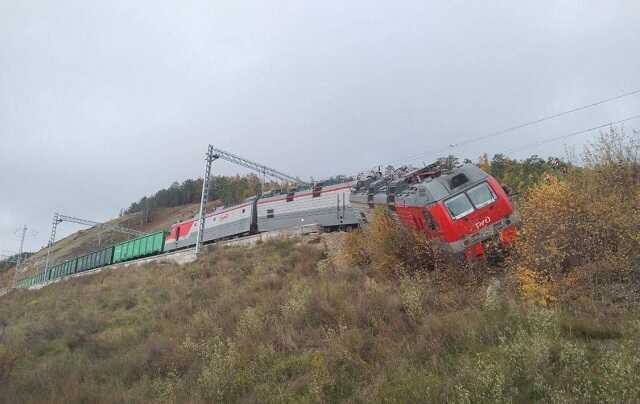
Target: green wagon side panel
(139, 247)
(117, 252)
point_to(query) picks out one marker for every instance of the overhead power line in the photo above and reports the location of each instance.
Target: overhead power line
(528, 123)
(557, 138)
(252, 165)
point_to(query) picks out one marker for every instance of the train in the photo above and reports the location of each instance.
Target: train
(326, 206)
(144, 246)
(464, 210)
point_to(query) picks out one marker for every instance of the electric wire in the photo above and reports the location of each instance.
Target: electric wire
(539, 143)
(525, 124)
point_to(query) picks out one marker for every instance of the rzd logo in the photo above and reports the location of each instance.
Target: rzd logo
(485, 221)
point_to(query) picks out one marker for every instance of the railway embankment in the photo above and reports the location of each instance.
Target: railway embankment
(295, 319)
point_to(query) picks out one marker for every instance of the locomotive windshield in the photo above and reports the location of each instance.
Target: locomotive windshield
(475, 198)
(481, 195)
(459, 206)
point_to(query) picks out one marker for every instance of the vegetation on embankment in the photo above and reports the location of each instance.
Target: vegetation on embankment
(283, 322)
(373, 316)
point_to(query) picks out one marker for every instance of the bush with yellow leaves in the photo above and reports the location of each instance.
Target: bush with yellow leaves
(589, 216)
(390, 248)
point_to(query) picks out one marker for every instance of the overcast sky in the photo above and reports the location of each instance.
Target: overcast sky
(102, 102)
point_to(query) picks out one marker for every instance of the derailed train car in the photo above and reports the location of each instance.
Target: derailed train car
(463, 209)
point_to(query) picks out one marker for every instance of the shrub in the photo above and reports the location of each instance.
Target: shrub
(589, 216)
(390, 248)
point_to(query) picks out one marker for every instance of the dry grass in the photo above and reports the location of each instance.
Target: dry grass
(283, 322)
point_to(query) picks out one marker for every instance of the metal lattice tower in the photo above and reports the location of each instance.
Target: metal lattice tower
(211, 156)
(20, 252)
(52, 238)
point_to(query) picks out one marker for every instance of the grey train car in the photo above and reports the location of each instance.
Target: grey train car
(329, 207)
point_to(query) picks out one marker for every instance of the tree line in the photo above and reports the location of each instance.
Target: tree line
(227, 189)
(520, 175)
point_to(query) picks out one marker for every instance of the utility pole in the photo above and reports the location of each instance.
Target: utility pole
(210, 158)
(52, 238)
(20, 252)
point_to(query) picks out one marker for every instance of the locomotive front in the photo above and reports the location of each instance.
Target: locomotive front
(464, 210)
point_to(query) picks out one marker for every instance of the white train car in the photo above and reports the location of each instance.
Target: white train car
(329, 207)
(228, 222)
(223, 222)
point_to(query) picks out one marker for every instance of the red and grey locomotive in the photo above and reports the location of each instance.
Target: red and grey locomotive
(464, 209)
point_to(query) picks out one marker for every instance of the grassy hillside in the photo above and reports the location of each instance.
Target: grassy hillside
(285, 322)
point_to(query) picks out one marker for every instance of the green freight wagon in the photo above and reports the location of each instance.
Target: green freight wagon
(69, 267)
(144, 246)
(94, 260)
(61, 270)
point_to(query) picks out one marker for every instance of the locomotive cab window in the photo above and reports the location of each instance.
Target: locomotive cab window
(269, 213)
(459, 206)
(481, 195)
(317, 191)
(290, 196)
